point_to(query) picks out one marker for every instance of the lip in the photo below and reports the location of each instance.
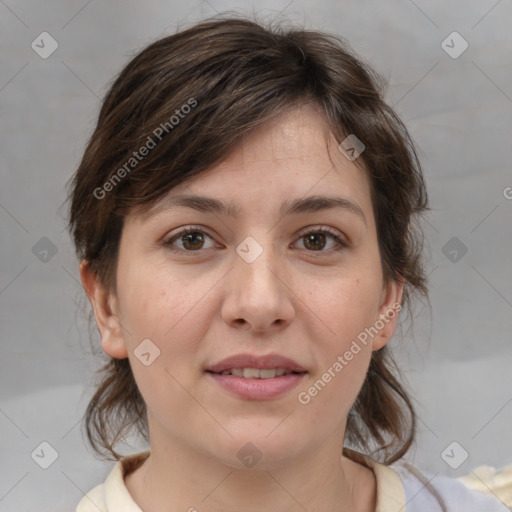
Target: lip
(264, 362)
(257, 389)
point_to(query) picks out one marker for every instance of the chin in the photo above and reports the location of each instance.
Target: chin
(254, 449)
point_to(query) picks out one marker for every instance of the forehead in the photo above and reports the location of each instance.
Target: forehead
(292, 156)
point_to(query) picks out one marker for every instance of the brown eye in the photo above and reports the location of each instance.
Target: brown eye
(315, 242)
(192, 241)
(323, 241)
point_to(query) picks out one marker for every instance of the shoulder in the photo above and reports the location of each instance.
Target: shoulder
(456, 493)
(112, 495)
(405, 488)
(94, 500)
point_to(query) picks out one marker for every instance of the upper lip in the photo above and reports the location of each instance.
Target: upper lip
(268, 361)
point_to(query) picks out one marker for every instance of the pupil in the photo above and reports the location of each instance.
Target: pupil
(195, 239)
(318, 237)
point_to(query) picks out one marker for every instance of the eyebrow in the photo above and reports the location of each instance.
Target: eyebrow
(308, 204)
(318, 203)
(199, 203)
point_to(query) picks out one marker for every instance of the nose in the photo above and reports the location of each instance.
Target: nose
(257, 295)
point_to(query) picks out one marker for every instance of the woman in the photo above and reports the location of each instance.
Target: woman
(245, 216)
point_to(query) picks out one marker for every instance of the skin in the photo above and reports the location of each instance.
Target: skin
(199, 307)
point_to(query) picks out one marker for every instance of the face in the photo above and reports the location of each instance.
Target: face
(282, 272)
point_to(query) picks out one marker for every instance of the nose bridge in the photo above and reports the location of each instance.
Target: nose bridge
(256, 293)
(256, 264)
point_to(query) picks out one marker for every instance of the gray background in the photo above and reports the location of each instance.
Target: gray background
(459, 110)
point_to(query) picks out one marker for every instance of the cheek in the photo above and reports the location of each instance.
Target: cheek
(168, 313)
(346, 306)
(326, 399)
(155, 302)
(346, 309)
(171, 312)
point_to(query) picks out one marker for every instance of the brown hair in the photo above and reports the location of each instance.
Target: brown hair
(233, 75)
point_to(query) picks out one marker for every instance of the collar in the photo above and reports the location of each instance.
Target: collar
(390, 491)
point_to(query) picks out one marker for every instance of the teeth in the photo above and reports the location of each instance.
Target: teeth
(254, 373)
(251, 373)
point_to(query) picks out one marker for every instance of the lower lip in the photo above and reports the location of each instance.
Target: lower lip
(258, 389)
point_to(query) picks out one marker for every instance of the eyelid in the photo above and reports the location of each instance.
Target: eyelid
(169, 239)
(339, 237)
(320, 228)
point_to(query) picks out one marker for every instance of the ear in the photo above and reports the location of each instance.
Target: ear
(104, 304)
(390, 305)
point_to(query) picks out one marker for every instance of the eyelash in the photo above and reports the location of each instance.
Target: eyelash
(186, 231)
(197, 229)
(341, 245)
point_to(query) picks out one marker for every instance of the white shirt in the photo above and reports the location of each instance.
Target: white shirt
(398, 490)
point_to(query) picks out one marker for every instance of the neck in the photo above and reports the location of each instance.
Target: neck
(175, 476)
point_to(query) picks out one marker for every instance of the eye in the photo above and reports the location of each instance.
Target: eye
(190, 239)
(318, 239)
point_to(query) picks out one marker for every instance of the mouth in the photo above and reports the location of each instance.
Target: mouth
(255, 373)
(251, 377)
(252, 366)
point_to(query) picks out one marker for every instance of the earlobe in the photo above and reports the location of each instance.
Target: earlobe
(388, 312)
(104, 304)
